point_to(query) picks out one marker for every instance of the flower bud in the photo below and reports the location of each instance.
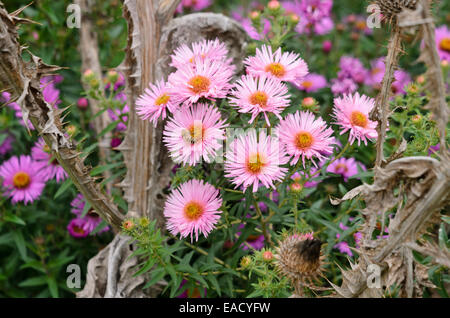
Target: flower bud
(112, 77)
(246, 261)
(327, 46)
(71, 130)
(273, 5)
(128, 225)
(83, 103)
(267, 256)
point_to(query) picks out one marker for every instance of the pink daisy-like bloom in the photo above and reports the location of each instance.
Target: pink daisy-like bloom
(402, 79)
(353, 68)
(195, 132)
(5, 97)
(315, 17)
(313, 82)
(206, 49)
(305, 136)
(23, 179)
(192, 208)
(345, 167)
(260, 95)
(251, 160)
(154, 103)
(76, 228)
(91, 220)
(201, 79)
(288, 66)
(42, 154)
(352, 114)
(442, 37)
(376, 74)
(49, 91)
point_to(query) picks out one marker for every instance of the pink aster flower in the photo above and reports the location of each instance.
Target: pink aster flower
(352, 114)
(376, 74)
(305, 136)
(260, 95)
(286, 66)
(76, 228)
(345, 167)
(251, 160)
(49, 90)
(194, 133)
(402, 79)
(194, 5)
(351, 67)
(313, 82)
(5, 97)
(192, 208)
(42, 154)
(206, 49)
(155, 102)
(23, 179)
(344, 248)
(442, 37)
(91, 220)
(201, 79)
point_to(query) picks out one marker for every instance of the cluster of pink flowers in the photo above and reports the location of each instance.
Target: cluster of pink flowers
(83, 225)
(315, 15)
(192, 5)
(352, 73)
(376, 74)
(343, 246)
(195, 131)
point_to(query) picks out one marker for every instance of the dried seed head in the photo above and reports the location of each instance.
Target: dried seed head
(298, 257)
(390, 8)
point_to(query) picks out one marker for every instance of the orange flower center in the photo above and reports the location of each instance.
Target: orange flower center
(303, 140)
(21, 180)
(193, 211)
(307, 84)
(199, 84)
(259, 98)
(276, 69)
(78, 229)
(341, 167)
(162, 100)
(361, 25)
(358, 119)
(194, 134)
(255, 163)
(445, 44)
(376, 70)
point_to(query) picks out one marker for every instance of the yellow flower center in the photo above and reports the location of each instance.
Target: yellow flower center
(358, 119)
(194, 134)
(255, 163)
(199, 84)
(162, 100)
(445, 44)
(259, 98)
(303, 140)
(376, 70)
(21, 180)
(276, 69)
(361, 25)
(307, 84)
(193, 211)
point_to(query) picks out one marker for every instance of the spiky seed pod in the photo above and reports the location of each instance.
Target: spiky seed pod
(390, 8)
(298, 257)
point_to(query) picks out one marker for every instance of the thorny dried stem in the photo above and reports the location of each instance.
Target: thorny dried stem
(22, 80)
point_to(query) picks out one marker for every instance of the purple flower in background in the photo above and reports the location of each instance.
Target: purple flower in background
(255, 241)
(5, 98)
(194, 5)
(115, 114)
(353, 68)
(343, 246)
(42, 154)
(434, 149)
(345, 167)
(344, 86)
(6, 145)
(376, 74)
(91, 220)
(402, 79)
(76, 228)
(315, 17)
(49, 91)
(313, 82)
(252, 32)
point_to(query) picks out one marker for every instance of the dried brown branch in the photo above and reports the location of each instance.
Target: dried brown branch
(22, 80)
(90, 60)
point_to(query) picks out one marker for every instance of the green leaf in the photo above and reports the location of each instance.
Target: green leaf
(20, 243)
(34, 281)
(147, 266)
(100, 169)
(109, 128)
(157, 275)
(66, 185)
(14, 219)
(53, 287)
(87, 207)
